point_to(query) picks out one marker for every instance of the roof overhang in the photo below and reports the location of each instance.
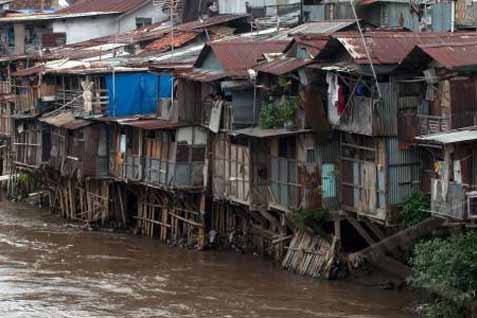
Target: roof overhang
(451, 137)
(269, 133)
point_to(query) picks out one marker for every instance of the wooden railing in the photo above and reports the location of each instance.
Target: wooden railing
(435, 124)
(75, 101)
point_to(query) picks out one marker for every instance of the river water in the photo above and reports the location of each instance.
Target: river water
(49, 268)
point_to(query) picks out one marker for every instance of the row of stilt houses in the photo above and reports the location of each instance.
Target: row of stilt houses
(238, 139)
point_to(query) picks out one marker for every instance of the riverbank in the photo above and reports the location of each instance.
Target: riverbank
(49, 267)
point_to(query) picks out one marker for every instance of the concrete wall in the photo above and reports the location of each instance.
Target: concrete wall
(238, 6)
(82, 29)
(128, 22)
(86, 28)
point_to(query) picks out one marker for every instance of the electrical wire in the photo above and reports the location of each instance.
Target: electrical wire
(366, 49)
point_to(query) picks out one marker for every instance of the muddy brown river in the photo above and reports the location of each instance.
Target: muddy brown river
(49, 268)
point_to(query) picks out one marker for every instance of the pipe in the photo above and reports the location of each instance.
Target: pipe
(452, 15)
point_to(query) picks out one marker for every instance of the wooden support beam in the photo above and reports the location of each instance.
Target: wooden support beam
(405, 238)
(199, 225)
(364, 234)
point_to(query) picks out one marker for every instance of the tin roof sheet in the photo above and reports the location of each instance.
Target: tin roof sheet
(65, 120)
(452, 55)
(322, 27)
(451, 137)
(120, 6)
(211, 21)
(268, 133)
(238, 56)
(201, 75)
(282, 65)
(387, 47)
(152, 124)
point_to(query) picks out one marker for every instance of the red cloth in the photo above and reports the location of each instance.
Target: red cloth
(341, 100)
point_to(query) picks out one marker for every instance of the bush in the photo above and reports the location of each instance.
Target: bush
(311, 218)
(415, 209)
(450, 267)
(275, 115)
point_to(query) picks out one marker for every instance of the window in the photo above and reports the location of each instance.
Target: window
(287, 147)
(310, 155)
(143, 22)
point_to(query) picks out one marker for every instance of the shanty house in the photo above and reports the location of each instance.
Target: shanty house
(79, 147)
(280, 164)
(453, 183)
(376, 175)
(440, 118)
(28, 142)
(439, 94)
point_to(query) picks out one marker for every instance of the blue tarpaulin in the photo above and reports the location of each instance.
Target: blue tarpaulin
(136, 93)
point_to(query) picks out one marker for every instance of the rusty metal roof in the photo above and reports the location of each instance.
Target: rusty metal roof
(201, 75)
(451, 55)
(168, 41)
(282, 65)
(212, 21)
(268, 133)
(238, 56)
(29, 71)
(152, 124)
(65, 120)
(322, 27)
(387, 47)
(119, 6)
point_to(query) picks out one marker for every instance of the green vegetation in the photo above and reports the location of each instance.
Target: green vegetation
(277, 114)
(415, 209)
(310, 218)
(447, 267)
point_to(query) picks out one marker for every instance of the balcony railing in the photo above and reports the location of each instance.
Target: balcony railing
(176, 174)
(435, 124)
(73, 99)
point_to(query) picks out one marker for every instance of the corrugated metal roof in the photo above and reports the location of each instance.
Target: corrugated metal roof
(200, 75)
(212, 21)
(322, 27)
(452, 55)
(267, 133)
(152, 124)
(451, 137)
(29, 71)
(119, 6)
(77, 124)
(282, 65)
(177, 40)
(388, 47)
(65, 120)
(238, 56)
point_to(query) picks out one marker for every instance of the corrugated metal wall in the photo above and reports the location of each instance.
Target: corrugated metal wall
(328, 153)
(394, 13)
(404, 171)
(386, 116)
(238, 6)
(314, 13)
(441, 17)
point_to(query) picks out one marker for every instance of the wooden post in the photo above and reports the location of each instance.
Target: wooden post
(201, 239)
